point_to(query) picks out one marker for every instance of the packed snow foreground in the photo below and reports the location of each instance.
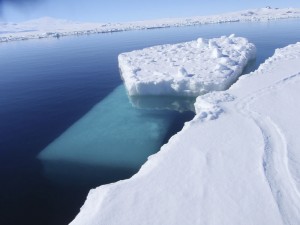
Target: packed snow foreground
(49, 27)
(236, 162)
(186, 69)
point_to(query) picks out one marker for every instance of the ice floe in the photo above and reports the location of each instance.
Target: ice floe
(186, 69)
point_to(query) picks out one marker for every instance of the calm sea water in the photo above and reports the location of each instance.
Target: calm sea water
(67, 125)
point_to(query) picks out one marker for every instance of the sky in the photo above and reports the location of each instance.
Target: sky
(126, 10)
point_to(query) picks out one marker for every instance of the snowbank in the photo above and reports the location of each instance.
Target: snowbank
(49, 27)
(186, 69)
(236, 162)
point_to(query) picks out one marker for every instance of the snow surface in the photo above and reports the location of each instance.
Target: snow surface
(236, 162)
(186, 69)
(49, 27)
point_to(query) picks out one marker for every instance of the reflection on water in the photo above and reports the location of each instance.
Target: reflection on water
(179, 104)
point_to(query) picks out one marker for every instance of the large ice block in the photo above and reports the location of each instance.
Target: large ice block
(186, 69)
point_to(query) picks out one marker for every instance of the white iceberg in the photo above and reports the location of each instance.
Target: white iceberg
(186, 69)
(236, 162)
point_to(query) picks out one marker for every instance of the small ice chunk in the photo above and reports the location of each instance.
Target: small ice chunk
(221, 67)
(182, 72)
(201, 42)
(228, 40)
(227, 61)
(216, 53)
(207, 106)
(212, 44)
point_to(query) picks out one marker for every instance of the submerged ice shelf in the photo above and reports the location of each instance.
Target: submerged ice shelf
(113, 135)
(97, 137)
(186, 69)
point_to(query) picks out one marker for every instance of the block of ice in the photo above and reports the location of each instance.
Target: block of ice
(186, 69)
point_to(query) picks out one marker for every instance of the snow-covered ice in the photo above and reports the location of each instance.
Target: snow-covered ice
(49, 27)
(236, 162)
(186, 69)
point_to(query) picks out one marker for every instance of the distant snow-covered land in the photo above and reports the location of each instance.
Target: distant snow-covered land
(236, 162)
(49, 27)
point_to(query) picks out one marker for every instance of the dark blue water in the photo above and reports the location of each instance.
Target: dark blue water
(66, 124)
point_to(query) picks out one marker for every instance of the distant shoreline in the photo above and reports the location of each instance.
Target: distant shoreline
(55, 28)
